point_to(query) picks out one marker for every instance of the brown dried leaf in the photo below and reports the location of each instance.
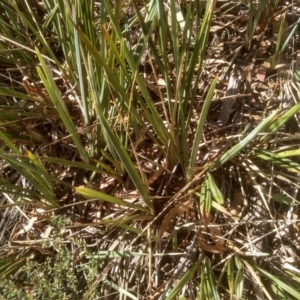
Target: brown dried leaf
(158, 172)
(177, 210)
(262, 71)
(216, 248)
(236, 205)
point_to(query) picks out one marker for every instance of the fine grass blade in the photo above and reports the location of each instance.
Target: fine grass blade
(291, 34)
(230, 275)
(58, 101)
(289, 153)
(10, 263)
(278, 160)
(126, 161)
(34, 177)
(199, 50)
(33, 173)
(80, 56)
(185, 278)
(199, 131)
(12, 93)
(104, 197)
(254, 18)
(207, 286)
(243, 143)
(205, 200)
(120, 289)
(274, 127)
(216, 193)
(281, 285)
(160, 127)
(239, 278)
(100, 168)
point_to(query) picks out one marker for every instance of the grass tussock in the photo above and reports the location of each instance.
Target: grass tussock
(149, 149)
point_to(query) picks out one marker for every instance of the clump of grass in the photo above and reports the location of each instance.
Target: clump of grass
(114, 168)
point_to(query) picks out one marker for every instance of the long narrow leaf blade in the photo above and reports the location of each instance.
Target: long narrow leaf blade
(243, 143)
(102, 196)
